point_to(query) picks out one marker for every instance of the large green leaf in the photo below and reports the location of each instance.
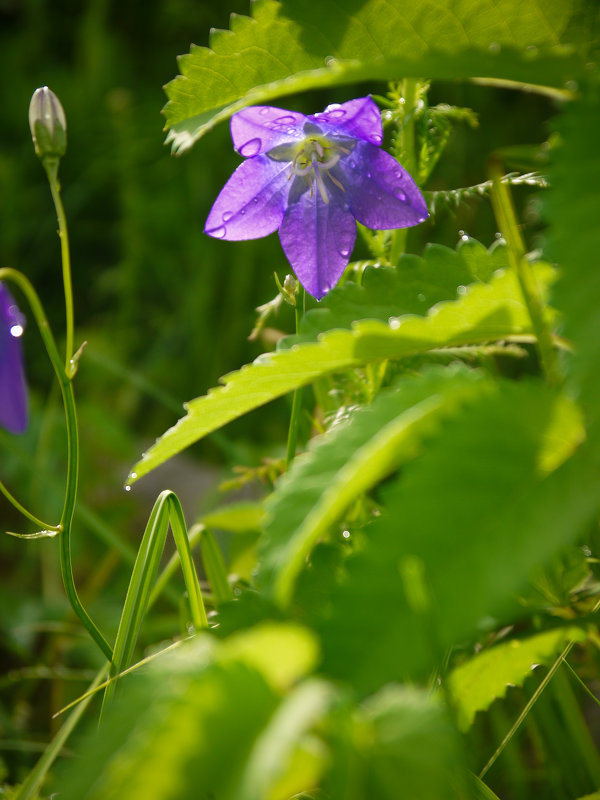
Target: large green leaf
(571, 209)
(294, 45)
(485, 312)
(347, 461)
(486, 677)
(195, 722)
(462, 529)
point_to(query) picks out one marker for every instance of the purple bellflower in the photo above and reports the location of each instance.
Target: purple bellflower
(13, 390)
(312, 178)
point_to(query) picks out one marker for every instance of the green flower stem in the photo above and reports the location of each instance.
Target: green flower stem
(51, 168)
(66, 388)
(296, 400)
(405, 152)
(507, 222)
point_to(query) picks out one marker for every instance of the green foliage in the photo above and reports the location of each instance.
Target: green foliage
(296, 45)
(438, 535)
(484, 312)
(573, 238)
(486, 677)
(477, 510)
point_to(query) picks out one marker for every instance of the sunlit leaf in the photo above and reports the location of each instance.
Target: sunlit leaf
(487, 676)
(295, 45)
(485, 312)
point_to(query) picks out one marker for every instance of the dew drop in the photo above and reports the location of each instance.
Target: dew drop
(498, 235)
(572, 86)
(461, 290)
(346, 534)
(421, 297)
(250, 148)
(368, 174)
(461, 233)
(227, 216)
(394, 323)
(255, 199)
(343, 251)
(494, 48)
(287, 120)
(264, 111)
(464, 237)
(218, 233)
(401, 196)
(377, 138)
(127, 488)
(133, 475)
(243, 211)
(16, 330)
(336, 113)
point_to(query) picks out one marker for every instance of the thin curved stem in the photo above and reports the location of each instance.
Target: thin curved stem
(296, 399)
(507, 222)
(66, 389)
(31, 517)
(51, 167)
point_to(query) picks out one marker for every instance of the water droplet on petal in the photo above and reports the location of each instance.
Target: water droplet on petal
(227, 216)
(243, 211)
(255, 199)
(368, 174)
(336, 113)
(16, 330)
(287, 120)
(264, 110)
(250, 148)
(344, 251)
(377, 138)
(218, 233)
(401, 196)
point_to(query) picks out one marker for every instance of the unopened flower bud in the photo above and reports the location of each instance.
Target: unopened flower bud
(48, 124)
(289, 290)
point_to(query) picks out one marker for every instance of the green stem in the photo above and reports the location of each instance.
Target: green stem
(66, 389)
(405, 152)
(51, 167)
(507, 222)
(296, 400)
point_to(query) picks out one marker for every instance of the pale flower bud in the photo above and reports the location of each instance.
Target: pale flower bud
(48, 124)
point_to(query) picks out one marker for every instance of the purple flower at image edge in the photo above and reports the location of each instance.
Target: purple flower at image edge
(13, 389)
(311, 178)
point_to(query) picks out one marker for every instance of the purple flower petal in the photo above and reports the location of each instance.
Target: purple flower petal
(317, 238)
(252, 202)
(359, 119)
(380, 192)
(13, 390)
(256, 129)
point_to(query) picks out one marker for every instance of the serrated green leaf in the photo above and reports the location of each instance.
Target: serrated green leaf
(463, 529)
(485, 312)
(486, 677)
(295, 45)
(570, 208)
(347, 461)
(413, 288)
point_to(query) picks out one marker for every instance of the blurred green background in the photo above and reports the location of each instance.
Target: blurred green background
(165, 310)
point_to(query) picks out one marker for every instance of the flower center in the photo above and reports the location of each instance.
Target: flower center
(310, 158)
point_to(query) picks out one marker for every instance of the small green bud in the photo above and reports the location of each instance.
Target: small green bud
(48, 124)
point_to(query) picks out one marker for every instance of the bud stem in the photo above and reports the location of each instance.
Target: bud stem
(51, 168)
